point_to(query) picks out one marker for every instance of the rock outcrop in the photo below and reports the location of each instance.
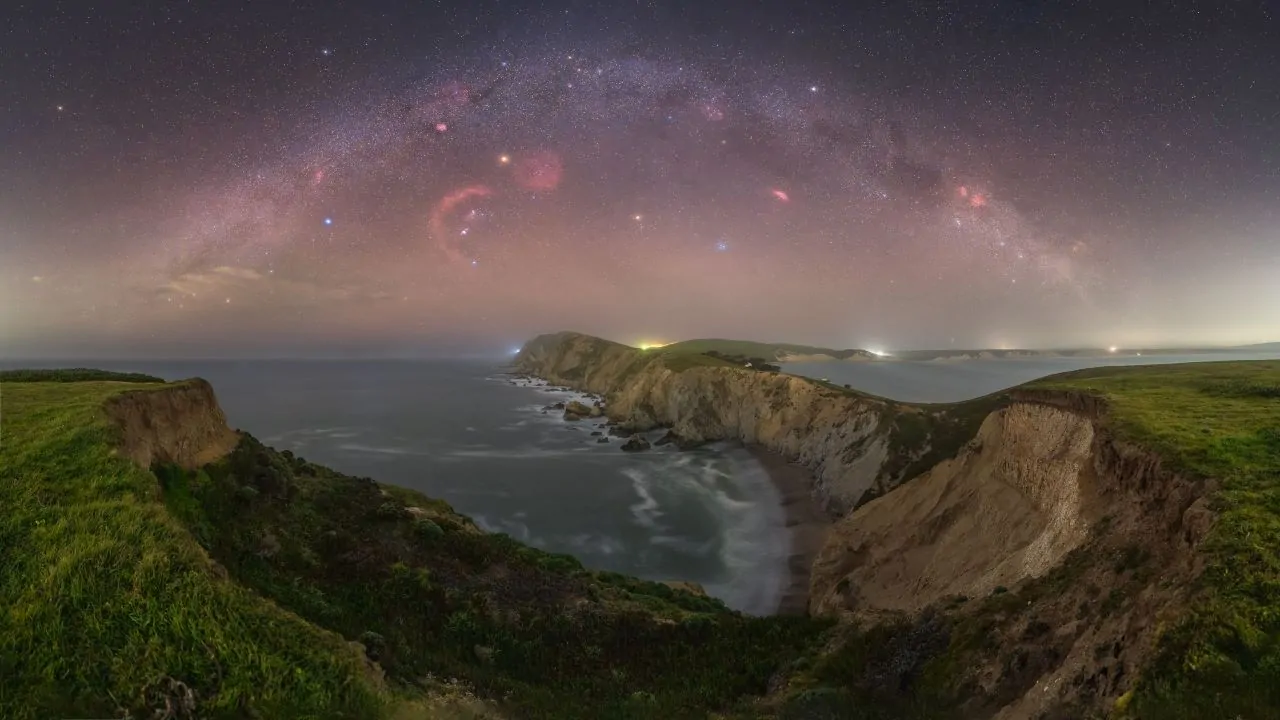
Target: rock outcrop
(635, 443)
(1010, 506)
(855, 445)
(1065, 546)
(179, 423)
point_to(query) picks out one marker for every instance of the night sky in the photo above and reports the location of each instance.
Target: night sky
(409, 178)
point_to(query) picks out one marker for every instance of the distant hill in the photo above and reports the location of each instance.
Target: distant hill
(772, 351)
(1259, 346)
(989, 353)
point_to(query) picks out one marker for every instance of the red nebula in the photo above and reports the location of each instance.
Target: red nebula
(441, 127)
(455, 92)
(539, 171)
(446, 206)
(978, 200)
(781, 195)
(317, 177)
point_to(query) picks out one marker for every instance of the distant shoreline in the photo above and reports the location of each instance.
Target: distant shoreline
(806, 523)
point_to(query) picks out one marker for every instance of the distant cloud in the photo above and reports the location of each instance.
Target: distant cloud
(238, 272)
(232, 281)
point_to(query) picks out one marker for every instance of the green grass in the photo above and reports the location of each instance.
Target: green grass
(74, 375)
(679, 362)
(1212, 420)
(748, 348)
(107, 598)
(244, 581)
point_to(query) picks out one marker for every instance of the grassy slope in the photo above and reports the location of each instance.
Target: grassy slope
(748, 348)
(106, 597)
(140, 605)
(1218, 420)
(1222, 660)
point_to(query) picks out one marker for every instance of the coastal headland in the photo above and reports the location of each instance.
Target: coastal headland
(1099, 543)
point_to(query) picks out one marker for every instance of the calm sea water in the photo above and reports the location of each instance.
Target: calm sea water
(463, 432)
(956, 380)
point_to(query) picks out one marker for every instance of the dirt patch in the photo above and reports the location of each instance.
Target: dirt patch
(1055, 551)
(1016, 500)
(180, 424)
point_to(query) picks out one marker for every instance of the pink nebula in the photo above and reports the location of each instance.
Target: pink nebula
(541, 170)
(781, 195)
(447, 204)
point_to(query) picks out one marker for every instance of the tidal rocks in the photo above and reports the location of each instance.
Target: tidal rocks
(576, 411)
(635, 443)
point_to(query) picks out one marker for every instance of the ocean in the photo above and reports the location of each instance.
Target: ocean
(467, 433)
(463, 432)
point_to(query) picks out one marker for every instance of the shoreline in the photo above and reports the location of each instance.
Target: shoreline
(805, 519)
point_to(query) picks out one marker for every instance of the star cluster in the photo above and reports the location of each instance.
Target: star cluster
(381, 179)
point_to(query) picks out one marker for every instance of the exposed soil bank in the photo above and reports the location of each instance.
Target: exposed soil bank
(180, 423)
(806, 522)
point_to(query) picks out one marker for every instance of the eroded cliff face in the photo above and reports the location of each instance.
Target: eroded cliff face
(180, 423)
(1010, 506)
(1061, 548)
(844, 439)
(1066, 547)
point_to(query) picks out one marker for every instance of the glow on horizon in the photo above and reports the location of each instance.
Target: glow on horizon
(651, 345)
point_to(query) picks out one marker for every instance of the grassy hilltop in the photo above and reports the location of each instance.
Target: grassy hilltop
(263, 585)
(769, 351)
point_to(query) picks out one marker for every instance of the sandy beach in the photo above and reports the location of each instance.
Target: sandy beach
(805, 518)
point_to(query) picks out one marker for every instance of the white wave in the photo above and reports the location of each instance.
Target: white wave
(685, 545)
(356, 447)
(586, 544)
(646, 512)
(526, 452)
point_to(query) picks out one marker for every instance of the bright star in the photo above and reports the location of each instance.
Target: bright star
(328, 221)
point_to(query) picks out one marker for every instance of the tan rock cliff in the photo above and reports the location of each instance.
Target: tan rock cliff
(846, 440)
(179, 423)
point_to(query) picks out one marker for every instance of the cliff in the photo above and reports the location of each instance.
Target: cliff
(1047, 550)
(180, 424)
(1102, 543)
(856, 445)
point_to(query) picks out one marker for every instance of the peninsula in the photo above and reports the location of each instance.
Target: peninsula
(1097, 543)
